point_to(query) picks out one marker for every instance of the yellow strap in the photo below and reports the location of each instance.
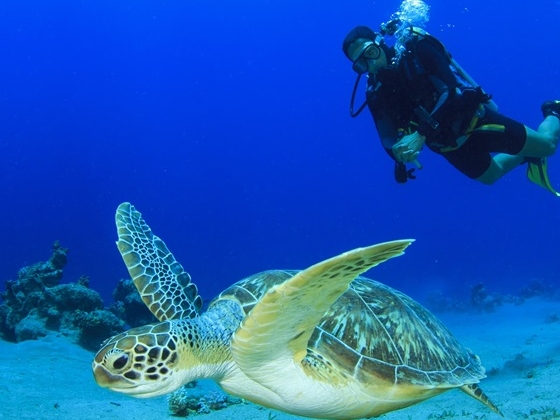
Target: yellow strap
(491, 127)
(471, 129)
(461, 140)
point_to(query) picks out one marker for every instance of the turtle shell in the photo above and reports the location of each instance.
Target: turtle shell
(375, 332)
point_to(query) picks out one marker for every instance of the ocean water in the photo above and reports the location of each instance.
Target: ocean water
(227, 125)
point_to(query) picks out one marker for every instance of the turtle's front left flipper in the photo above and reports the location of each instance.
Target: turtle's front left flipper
(163, 284)
(278, 328)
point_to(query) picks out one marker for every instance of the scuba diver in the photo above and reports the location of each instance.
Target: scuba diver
(418, 95)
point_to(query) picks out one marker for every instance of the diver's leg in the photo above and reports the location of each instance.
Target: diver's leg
(544, 141)
(540, 143)
(500, 165)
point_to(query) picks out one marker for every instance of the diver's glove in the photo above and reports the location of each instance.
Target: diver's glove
(407, 149)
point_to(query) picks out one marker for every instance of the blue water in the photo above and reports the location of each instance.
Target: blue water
(227, 125)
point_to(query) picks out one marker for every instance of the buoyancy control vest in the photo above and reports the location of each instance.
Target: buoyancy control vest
(444, 109)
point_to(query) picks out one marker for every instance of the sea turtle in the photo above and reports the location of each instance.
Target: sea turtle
(323, 342)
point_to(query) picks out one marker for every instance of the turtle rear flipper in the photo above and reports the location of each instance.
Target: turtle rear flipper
(163, 284)
(475, 391)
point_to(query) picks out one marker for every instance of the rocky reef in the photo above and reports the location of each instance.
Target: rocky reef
(481, 299)
(128, 305)
(36, 303)
(189, 399)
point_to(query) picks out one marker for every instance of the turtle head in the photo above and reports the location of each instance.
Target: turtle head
(142, 362)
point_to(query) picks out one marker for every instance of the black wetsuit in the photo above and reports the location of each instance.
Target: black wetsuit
(422, 93)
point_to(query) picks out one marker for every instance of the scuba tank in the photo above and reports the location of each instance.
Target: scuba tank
(462, 73)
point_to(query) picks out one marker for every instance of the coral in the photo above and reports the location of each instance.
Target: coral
(129, 306)
(96, 326)
(23, 295)
(31, 327)
(520, 363)
(536, 287)
(482, 300)
(36, 303)
(184, 402)
(70, 297)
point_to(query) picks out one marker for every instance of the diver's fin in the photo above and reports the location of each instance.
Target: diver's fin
(537, 172)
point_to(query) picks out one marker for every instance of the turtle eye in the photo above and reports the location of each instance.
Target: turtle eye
(121, 362)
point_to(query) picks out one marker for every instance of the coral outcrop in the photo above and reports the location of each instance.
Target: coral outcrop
(189, 399)
(22, 297)
(128, 305)
(35, 303)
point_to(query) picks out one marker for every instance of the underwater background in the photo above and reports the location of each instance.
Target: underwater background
(227, 125)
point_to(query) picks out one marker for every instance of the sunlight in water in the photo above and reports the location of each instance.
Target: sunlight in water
(414, 12)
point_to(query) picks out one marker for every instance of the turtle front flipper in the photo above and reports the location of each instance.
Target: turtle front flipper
(278, 328)
(163, 284)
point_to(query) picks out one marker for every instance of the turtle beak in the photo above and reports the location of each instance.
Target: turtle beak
(106, 379)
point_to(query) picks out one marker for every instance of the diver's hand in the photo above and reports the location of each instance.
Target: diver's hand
(407, 149)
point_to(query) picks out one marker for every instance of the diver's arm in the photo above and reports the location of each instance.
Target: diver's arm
(404, 149)
(386, 129)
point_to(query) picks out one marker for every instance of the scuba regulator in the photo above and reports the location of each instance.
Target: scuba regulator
(386, 28)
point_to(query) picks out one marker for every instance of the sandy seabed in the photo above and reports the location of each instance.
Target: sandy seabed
(519, 346)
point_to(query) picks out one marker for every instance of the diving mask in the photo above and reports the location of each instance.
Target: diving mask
(368, 53)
